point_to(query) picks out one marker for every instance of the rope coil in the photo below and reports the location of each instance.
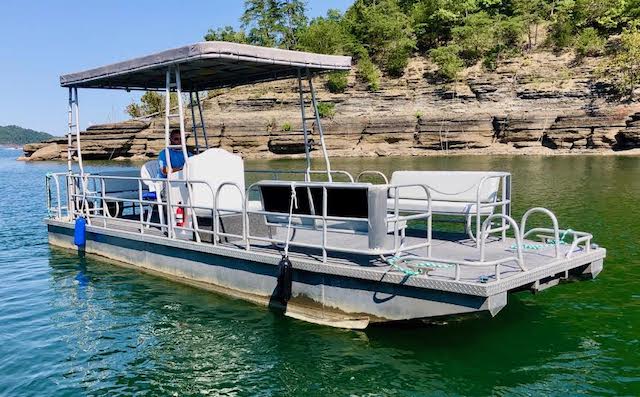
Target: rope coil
(395, 262)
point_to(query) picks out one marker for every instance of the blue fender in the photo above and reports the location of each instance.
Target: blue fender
(80, 231)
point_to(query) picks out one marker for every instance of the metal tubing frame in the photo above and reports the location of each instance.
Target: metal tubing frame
(372, 172)
(195, 126)
(319, 125)
(580, 239)
(305, 132)
(275, 173)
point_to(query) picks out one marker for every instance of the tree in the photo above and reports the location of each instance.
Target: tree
(434, 19)
(448, 61)
(151, 102)
(273, 23)
(476, 37)
(384, 31)
(532, 13)
(326, 35)
(623, 69)
(589, 43)
(228, 33)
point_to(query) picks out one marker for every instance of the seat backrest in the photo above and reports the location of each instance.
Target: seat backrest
(150, 169)
(119, 185)
(216, 166)
(363, 201)
(460, 186)
(343, 199)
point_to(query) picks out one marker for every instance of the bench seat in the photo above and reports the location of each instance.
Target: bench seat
(438, 207)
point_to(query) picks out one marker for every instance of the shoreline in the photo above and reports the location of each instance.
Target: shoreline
(380, 153)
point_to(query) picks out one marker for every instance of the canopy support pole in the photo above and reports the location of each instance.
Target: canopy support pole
(70, 185)
(200, 124)
(193, 122)
(319, 126)
(185, 153)
(74, 128)
(307, 174)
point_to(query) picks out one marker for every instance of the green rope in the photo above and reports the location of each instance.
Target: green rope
(420, 265)
(551, 243)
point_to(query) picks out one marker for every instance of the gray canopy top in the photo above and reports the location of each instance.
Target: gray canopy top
(205, 66)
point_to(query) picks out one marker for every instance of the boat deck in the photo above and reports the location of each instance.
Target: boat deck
(542, 264)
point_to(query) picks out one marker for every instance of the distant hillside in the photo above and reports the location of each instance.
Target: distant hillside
(14, 135)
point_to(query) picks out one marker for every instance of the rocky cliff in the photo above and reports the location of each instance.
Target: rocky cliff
(539, 103)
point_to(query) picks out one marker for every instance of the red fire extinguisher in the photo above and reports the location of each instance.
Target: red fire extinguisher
(179, 215)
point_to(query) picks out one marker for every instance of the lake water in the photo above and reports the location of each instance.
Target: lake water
(71, 326)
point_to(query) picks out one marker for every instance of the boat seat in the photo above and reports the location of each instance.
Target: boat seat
(438, 207)
(452, 192)
(363, 203)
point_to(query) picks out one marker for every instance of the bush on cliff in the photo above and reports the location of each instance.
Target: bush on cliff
(384, 31)
(448, 61)
(326, 109)
(623, 68)
(589, 43)
(337, 82)
(368, 73)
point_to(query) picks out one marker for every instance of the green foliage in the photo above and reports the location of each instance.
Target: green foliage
(134, 110)
(326, 109)
(434, 19)
(151, 102)
(384, 32)
(606, 17)
(14, 135)
(227, 33)
(623, 68)
(273, 23)
(369, 73)
(476, 37)
(286, 127)
(589, 43)
(326, 35)
(448, 60)
(337, 82)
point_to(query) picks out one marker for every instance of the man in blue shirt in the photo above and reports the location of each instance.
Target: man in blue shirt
(175, 155)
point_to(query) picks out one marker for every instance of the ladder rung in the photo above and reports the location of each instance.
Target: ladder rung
(174, 146)
(310, 119)
(172, 115)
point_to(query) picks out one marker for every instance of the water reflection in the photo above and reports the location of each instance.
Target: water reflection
(76, 326)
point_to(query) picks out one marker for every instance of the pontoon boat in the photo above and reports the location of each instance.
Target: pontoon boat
(321, 245)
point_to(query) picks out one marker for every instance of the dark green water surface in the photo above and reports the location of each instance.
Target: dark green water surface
(85, 327)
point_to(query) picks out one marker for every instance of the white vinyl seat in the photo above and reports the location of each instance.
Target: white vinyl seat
(151, 170)
(438, 207)
(453, 193)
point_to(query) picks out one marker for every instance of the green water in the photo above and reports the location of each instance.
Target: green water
(85, 327)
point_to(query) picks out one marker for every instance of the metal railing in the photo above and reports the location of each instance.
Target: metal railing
(276, 173)
(93, 203)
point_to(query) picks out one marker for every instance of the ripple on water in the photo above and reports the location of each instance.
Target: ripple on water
(72, 326)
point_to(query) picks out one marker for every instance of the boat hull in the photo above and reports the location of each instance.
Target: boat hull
(322, 298)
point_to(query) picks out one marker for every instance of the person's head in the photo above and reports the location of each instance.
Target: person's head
(175, 138)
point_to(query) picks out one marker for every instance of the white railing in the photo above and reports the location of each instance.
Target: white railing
(94, 202)
(277, 173)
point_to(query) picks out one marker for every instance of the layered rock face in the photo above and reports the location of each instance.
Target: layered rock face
(541, 103)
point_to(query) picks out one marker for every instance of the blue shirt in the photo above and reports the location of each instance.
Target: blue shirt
(176, 157)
